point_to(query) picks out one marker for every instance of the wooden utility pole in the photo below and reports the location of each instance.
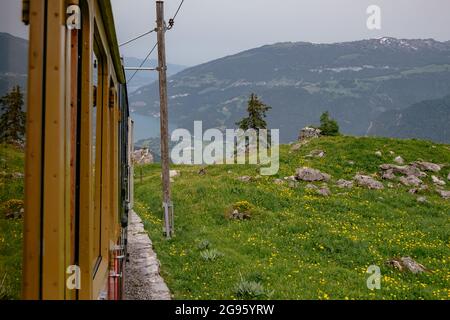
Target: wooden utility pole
(162, 67)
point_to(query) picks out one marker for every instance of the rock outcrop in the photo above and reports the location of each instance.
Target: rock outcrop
(310, 186)
(344, 184)
(444, 194)
(292, 182)
(437, 181)
(399, 160)
(324, 191)
(410, 181)
(404, 170)
(279, 182)
(309, 133)
(407, 264)
(237, 215)
(368, 182)
(311, 175)
(142, 156)
(388, 175)
(245, 179)
(427, 166)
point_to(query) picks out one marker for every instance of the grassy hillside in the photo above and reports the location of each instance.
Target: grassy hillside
(300, 245)
(11, 199)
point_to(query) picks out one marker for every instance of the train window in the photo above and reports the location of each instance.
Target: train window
(94, 111)
(97, 71)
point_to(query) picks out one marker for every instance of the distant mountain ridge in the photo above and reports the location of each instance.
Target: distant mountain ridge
(429, 120)
(388, 87)
(356, 81)
(14, 65)
(14, 54)
(13, 62)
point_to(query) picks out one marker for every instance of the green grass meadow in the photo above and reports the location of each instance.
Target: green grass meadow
(11, 191)
(299, 245)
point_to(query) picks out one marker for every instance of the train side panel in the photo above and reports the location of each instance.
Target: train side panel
(77, 155)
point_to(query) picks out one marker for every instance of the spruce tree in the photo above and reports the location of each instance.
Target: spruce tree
(256, 115)
(12, 119)
(256, 110)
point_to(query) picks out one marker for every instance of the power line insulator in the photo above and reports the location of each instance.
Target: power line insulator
(171, 23)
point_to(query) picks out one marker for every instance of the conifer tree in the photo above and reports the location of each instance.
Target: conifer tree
(328, 126)
(12, 119)
(256, 115)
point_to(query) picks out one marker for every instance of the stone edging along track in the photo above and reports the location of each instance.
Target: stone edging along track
(142, 273)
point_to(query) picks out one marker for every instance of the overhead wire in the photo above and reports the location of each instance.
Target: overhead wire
(143, 62)
(172, 20)
(137, 38)
(171, 24)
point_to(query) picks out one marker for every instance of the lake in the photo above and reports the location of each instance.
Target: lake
(147, 127)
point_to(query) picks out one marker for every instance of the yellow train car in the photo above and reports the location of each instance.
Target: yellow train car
(78, 184)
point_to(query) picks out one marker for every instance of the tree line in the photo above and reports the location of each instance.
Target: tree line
(12, 118)
(257, 113)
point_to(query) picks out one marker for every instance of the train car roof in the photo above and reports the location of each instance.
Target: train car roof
(110, 28)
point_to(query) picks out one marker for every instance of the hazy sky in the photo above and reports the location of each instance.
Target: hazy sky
(210, 29)
(11, 18)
